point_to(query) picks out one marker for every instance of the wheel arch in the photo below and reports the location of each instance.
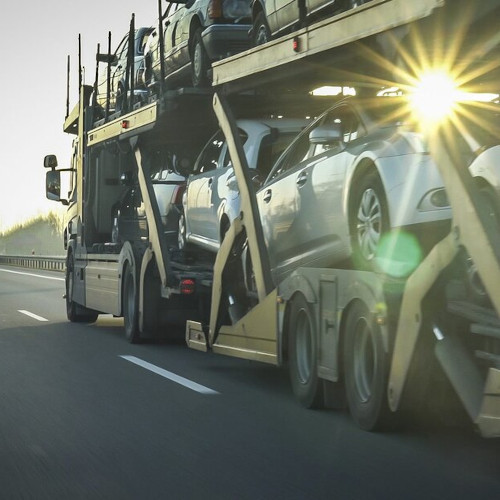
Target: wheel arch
(194, 25)
(127, 258)
(257, 7)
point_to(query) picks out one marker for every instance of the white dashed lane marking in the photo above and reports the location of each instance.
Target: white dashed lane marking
(169, 375)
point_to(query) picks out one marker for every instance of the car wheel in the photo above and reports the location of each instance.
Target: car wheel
(148, 72)
(476, 291)
(303, 351)
(130, 305)
(369, 219)
(366, 366)
(199, 61)
(75, 312)
(261, 31)
(181, 233)
(120, 98)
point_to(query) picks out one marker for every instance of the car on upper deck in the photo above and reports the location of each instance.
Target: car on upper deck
(196, 33)
(119, 77)
(273, 18)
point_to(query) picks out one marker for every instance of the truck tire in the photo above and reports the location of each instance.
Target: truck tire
(75, 312)
(131, 305)
(366, 369)
(303, 354)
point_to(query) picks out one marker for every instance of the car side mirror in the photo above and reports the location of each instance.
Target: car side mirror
(326, 134)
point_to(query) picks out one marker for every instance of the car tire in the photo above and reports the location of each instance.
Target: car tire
(199, 61)
(261, 31)
(131, 304)
(475, 289)
(75, 312)
(181, 233)
(303, 354)
(366, 369)
(368, 219)
(120, 99)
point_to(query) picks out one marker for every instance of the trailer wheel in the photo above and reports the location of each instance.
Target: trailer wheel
(366, 366)
(199, 61)
(304, 354)
(75, 312)
(131, 305)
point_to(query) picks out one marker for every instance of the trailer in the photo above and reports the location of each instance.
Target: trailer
(344, 334)
(351, 333)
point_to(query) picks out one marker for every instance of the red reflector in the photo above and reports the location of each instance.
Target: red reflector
(125, 123)
(187, 286)
(296, 44)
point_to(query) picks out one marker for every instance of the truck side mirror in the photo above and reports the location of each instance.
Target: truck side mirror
(53, 186)
(50, 161)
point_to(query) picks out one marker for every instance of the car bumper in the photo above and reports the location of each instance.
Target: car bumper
(224, 40)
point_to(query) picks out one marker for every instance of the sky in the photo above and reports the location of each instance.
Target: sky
(37, 37)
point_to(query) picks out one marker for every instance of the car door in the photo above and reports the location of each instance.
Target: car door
(286, 12)
(277, 203)
(301, 203)
(315, 5)
(201, 205)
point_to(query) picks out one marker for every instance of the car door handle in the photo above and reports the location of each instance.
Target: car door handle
(301, 179)
(267, 196)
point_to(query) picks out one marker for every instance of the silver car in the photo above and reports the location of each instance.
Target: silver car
(354, 174)
(211, 200)
(119, 86)
(195, 33)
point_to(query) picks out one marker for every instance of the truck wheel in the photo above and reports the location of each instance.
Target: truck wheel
(366, 366)
(261, 31)
(199, 62)
(368, 219)
(303, 354)
(75, 312)
(131, 305)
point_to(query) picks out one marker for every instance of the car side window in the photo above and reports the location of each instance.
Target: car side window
(211, 154)
(297, 153)
(227, 158)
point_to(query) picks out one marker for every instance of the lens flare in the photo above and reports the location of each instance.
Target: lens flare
(398, 254)
(434, 98)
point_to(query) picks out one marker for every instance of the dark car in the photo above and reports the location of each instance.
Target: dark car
(118, 83)
(196, 33)
(271, 18)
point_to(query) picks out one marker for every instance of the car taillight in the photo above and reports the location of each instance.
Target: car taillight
(177, 196)
(187, 286)
(215, 9)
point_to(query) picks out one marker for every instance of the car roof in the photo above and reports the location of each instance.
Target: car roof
(263, 124)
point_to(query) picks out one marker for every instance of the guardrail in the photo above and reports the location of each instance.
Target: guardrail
(47, 263)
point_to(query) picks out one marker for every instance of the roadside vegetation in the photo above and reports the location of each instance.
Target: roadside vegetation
(41, 235)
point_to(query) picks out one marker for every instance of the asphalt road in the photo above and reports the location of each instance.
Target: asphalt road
(80, 420)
